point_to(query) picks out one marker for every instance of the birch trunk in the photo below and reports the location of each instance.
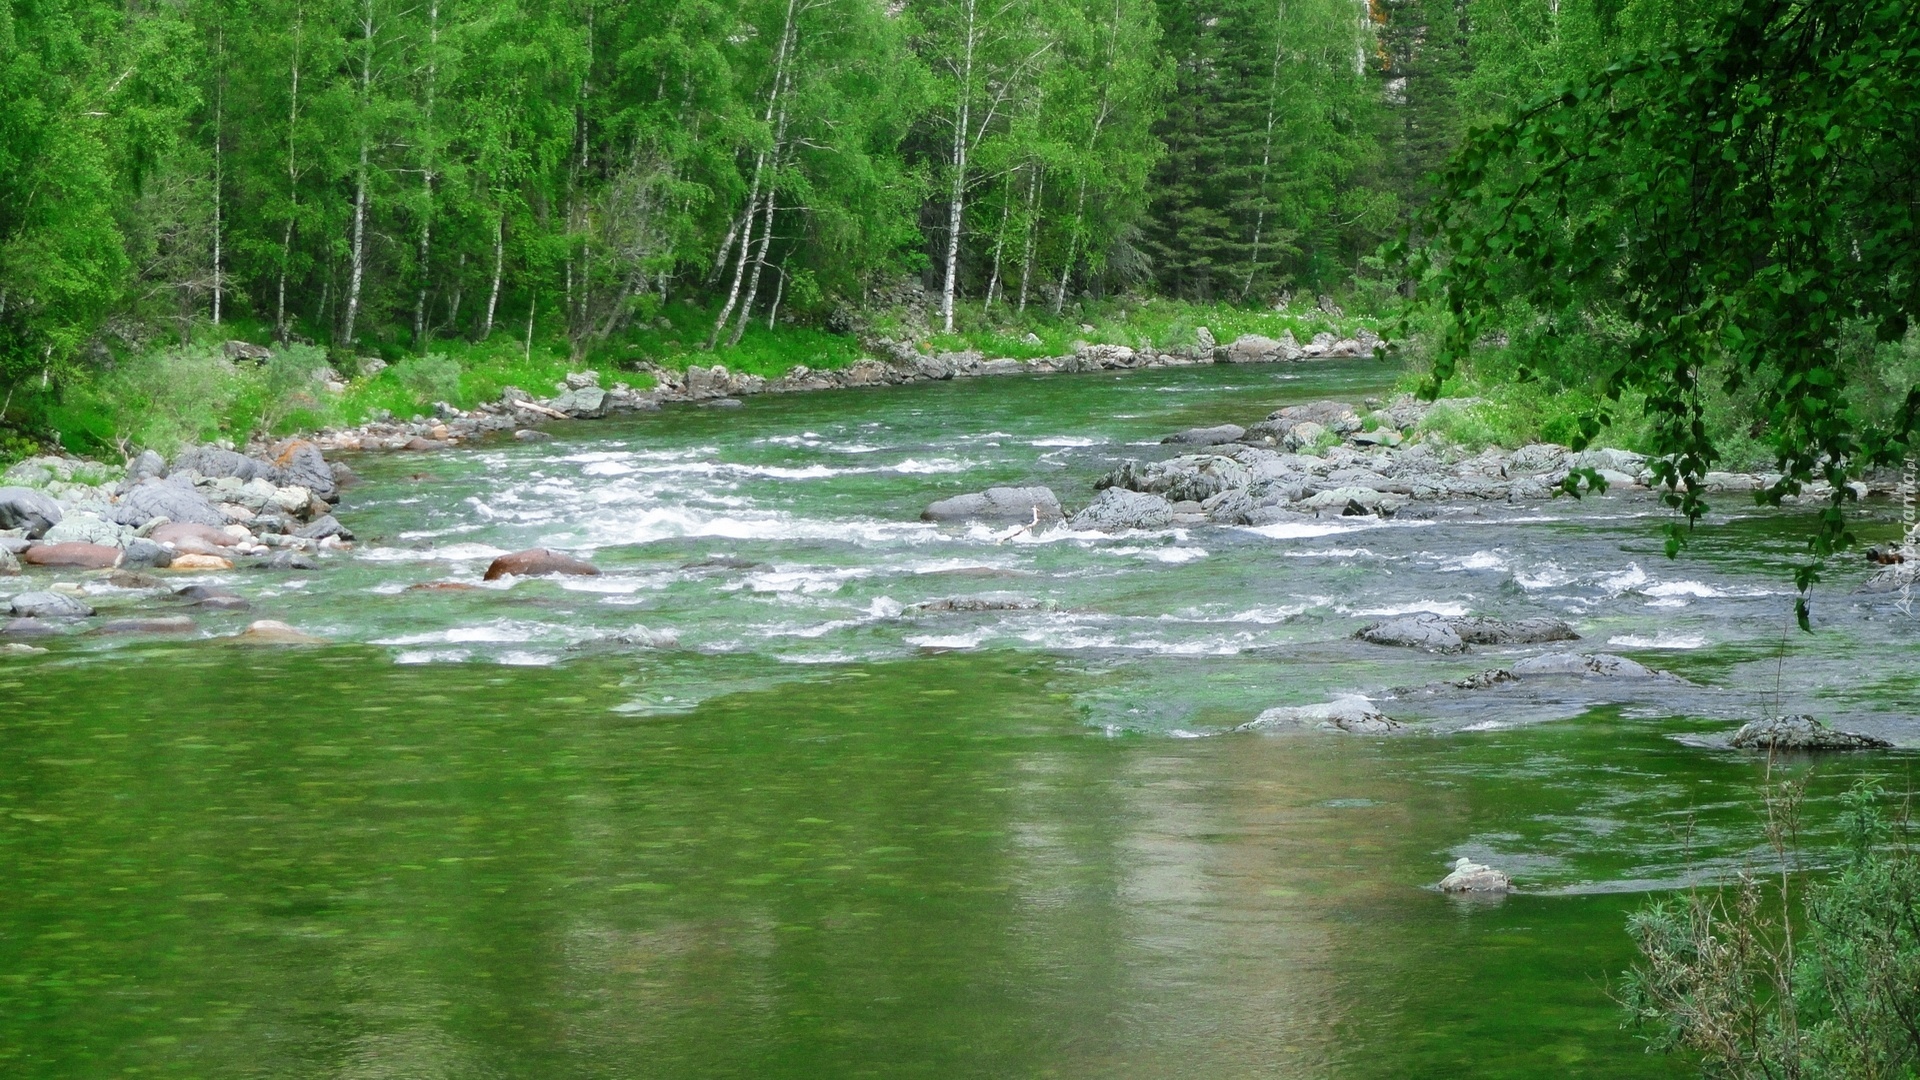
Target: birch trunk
(357, 273)
(999, 246)
(426, 177)
(219, 104)
(963, 102)
(759, 264)
(781, 57)
(499, 260)
(293, 181)
(1266, 154)
(1034, 183)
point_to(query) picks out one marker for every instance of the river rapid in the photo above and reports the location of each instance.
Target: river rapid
(803, 786)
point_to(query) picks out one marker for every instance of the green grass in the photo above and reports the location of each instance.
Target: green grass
(171, 396)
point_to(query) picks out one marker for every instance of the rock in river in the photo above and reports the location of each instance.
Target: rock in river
(1800, 733)
(1207, 436)
(49, 605)
(25, 508)
(1355, 715)
(158, 624)
(275, 632)
(538, 562)
(998, 506)
(175, 501)
(1472, 877)
(1117, 509)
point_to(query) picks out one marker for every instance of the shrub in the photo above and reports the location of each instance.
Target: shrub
(1735, 982)
(169, 398)
(429, 378)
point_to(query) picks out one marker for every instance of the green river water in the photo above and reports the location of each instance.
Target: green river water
(834, 833)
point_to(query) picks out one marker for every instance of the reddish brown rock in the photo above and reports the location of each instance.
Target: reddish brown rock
(73, 554)
(538, 562)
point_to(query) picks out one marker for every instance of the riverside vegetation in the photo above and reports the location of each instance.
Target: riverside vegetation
(1422, 268)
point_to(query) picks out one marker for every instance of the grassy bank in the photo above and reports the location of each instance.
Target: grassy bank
(168, 395)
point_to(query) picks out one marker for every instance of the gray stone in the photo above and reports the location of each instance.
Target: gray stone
(998, 506)
(303, 465)
(170, 499)
(1353, 715)
(1256, 349)
(1800, 734)
(1472, 877)
(1476, 631)
(1207, 436)
(48, 605)
(146, 465)
(292, 560)
(9, 562)
(1189, 478)
(1602, 665)
(144, 552)
(25, 508)
(1304, 435)
(644, 638)
(248, 351)
(532, 435)
(1432, 633)
(213, 463)
(156, 624)
(1116, 509)
(322, 527)
(580, 380)
(85, 528)
(586, 403)
(1232, 507)
(30, 628)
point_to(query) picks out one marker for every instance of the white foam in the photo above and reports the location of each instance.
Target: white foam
(1446, 608)
(1065, 441)
(1659, 641)
(1479, 560)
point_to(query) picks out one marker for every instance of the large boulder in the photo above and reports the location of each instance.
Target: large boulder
(322, 527)
(1117, 509)
(1353, 715)
(1477, 631)
(188, 536)
(25, 508)
(1188, 478)
(168, 499)
(585, 403)
(1256, 349)
(146, 465)
(1800, 734)
(48, 605)
(73, 555)
(998, 506)
(213, 462)
(88, 528)
(1432, 633)
(300, 464)
(538, 562)
(1599, 665)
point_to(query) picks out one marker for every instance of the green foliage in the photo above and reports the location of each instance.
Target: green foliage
(428, 378)
(1736, 983)
(1729, 204)
(163, 400)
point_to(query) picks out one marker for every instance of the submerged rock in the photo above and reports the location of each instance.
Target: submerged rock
(1207, 436)
(1354, 715)
(642, 637)
(48, 605)
(1472, 877)
(998, 506)
(158, 624)
(1433, 633)
(1800, 733)
(1477, 631)
(1117, 509)
(539, 562)
(1584, 665)
(275, 632)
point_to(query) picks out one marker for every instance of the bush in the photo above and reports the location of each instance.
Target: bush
(1734, 982)
(169, 398)
(429, 378)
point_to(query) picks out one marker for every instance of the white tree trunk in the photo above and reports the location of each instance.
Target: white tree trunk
(219, 103)
(426, 176)
(1034, 185)
(357, 273)
(499, 260)
(293, 180)
(781, 56)
(963, 105)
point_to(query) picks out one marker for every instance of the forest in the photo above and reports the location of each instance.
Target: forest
(385, 178)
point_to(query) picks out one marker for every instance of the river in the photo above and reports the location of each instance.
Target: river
(842, 827)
